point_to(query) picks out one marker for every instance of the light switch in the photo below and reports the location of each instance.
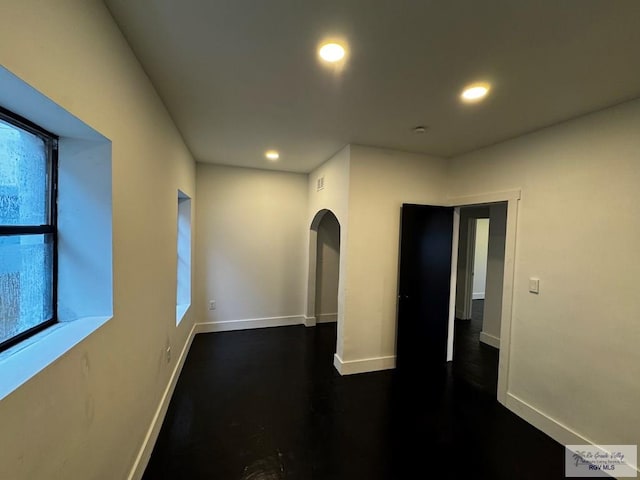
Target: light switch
(534, 285)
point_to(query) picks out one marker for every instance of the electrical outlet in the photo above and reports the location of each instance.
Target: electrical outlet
(168, 354)
(212, 304)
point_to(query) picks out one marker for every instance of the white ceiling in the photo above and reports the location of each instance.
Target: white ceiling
(242, 76)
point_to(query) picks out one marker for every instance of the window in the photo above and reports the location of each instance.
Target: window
(82, 296)
(183, 294)
(28, 236)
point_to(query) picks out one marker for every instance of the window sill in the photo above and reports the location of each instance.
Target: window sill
(180, 312)
(25, 360)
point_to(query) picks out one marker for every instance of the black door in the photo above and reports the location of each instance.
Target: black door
(426, 233)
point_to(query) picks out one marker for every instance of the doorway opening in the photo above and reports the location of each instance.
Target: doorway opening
(327, 269)
(324, 277)
(479, 292)
(428, 284)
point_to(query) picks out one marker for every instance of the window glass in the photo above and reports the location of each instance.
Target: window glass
(27, 231)
(23, 177)
(26, 279)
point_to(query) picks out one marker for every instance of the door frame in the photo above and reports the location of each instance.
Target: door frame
(512, 198)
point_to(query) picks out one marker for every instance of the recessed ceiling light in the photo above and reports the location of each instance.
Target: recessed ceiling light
(272, 155)
(331, 52)
(420, 129)
(475, 92)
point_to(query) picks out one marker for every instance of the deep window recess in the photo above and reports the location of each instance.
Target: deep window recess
(28, 235)
(183, 297)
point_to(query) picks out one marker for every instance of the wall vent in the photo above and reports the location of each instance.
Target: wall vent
(320, 184)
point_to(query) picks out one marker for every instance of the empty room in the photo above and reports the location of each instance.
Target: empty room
(338, 240)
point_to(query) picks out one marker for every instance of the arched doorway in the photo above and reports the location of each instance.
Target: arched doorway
(324, 269)
(327, 269)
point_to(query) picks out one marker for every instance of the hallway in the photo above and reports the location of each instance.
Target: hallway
(473, 361)
(268, 404)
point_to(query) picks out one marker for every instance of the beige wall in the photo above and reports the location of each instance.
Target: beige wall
(466, 214)
(480, 257)
(86, 415)
(250, 243)
(327, 269)
(335, 194)
(380, 182)
(334, 197)
(492, 315)
(574, 347)
(365, 187)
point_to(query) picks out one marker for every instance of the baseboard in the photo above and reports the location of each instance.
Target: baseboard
(310, 321)
(351, 367)
(556, 430)
(477, 296)
(250, 323)
(490, 340)
(327, 318)
(149, 442)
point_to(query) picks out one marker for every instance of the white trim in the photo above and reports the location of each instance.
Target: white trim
(250, 323)
(327, 318)
(351, 367)
(484, 198)
(310, 321)
(491, 340)
(552, 427)
(478, 296)
(23, 361)
(556, 430)
(512, 198)
(453, 283)
(149, 442)
(507, 297)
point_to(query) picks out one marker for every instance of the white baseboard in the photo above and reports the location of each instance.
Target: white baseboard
(490, 340)
(478, 296)
(310, 321)
(559, 432)
(327, 318)
(364, 365)
(246, 324)
(556, 430)
(149, 442)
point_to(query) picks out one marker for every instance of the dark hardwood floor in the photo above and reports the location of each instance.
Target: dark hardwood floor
(267, 405)
(474, 361)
